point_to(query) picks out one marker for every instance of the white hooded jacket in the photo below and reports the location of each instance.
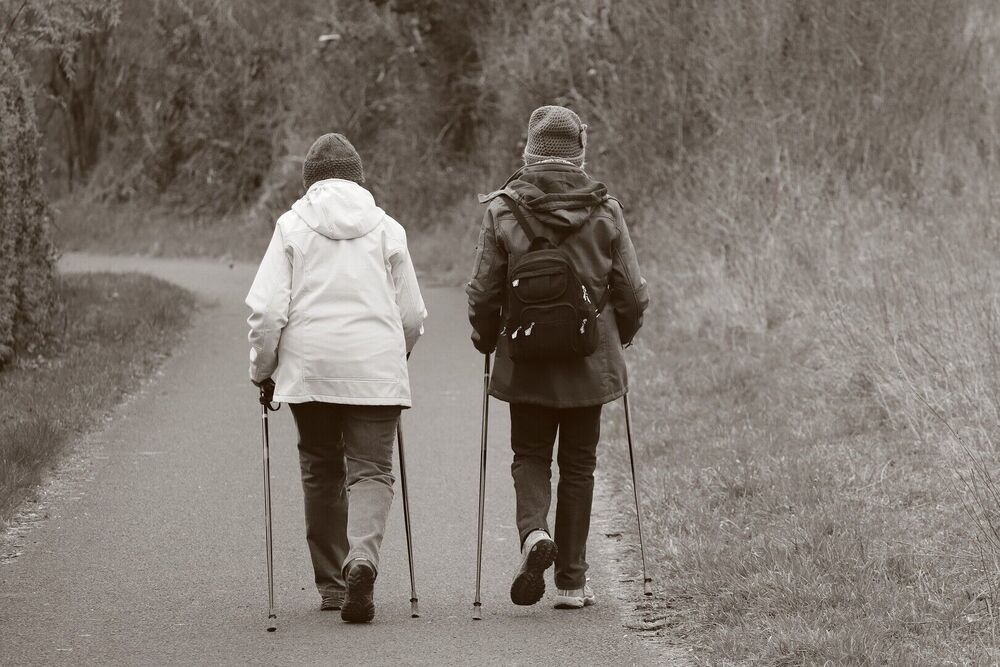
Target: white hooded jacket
(335, 303)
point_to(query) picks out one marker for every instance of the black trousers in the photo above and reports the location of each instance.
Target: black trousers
(533, 432)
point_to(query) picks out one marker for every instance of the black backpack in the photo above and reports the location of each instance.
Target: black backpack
(550, 314)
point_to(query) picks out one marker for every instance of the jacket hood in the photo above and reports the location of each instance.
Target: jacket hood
(560, 195)
(339, 209)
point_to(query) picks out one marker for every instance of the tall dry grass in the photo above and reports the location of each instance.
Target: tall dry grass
(816, 389)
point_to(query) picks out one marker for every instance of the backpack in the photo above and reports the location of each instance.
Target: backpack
(549, 313)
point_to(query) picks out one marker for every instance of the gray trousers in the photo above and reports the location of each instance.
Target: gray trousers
(345, 455)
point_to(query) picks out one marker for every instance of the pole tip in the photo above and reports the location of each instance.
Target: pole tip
(646, 590)
(477, 611)
(414, 609)
(272, 623)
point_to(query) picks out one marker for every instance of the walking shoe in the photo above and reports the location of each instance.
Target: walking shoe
(537, 555)
(576, 598)
(332, 602)
(359, 603)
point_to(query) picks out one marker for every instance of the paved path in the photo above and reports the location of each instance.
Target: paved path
(156, 557)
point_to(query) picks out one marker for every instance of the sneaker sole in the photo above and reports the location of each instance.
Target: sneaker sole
(359, 605)
(529, 584)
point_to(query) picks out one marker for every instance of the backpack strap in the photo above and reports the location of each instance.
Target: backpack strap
(521, 220)
(523, 223)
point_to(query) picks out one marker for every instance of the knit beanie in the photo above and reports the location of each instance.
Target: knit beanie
(332, 156)
(555, 132)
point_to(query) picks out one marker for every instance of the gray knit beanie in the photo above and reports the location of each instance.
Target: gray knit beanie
(555, 132)
(332, 156)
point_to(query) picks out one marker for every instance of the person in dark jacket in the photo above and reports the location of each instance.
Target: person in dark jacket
(563, 396)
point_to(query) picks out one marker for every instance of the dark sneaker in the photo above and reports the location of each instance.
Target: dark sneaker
(537, 555)
(359, 602)
(332, 602)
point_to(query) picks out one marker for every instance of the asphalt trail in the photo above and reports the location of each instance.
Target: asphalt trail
(157, 558)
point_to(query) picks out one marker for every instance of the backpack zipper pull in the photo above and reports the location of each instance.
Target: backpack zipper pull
(527, 332)
(516, 331)
(503, 331)
(583, 326)
(586, 294)
(517, 281)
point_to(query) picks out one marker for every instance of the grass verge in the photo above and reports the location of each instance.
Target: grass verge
(442, 252)
(815, 402)
(114, 329)
(84, 224)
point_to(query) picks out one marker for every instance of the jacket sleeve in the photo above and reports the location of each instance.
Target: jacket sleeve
(408, 299)
(486, 288)
(628, 288)
(269, 300)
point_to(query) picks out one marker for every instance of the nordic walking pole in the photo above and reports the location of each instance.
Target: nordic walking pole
(272, 619)
(477, 605)
(414, 610)
(646, 581)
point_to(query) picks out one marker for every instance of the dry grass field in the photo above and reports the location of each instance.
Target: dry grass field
(815, 393)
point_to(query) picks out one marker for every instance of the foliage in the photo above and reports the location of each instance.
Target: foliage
(211, 105)
(54, 25)
(62, 32)
(872, 92)
(195, 117)
(26, 252)
(66, 41)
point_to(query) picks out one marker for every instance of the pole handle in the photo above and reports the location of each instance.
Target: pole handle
(268, 405)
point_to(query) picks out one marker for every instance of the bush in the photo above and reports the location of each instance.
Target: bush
(875, 93)
(26, 251)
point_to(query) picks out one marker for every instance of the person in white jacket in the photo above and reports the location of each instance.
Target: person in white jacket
(336, 309)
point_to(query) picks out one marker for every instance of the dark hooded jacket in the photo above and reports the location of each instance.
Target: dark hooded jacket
(573, 207)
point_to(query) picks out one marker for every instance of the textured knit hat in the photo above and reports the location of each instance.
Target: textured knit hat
(555, 132)
(332, 156)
